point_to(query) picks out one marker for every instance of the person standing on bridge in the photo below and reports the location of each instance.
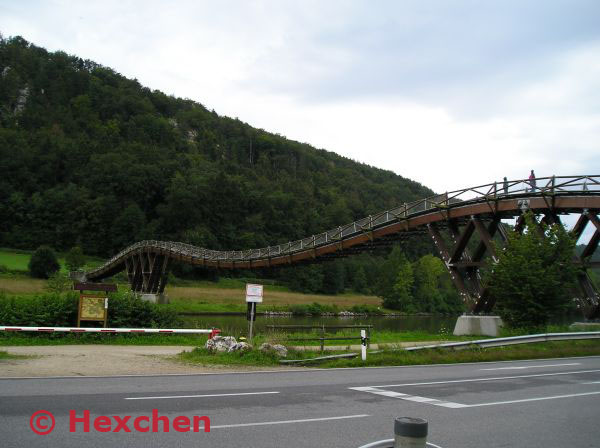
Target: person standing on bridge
(532, 181)
(505, 186)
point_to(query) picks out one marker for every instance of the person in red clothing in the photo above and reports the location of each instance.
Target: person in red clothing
(532, 181)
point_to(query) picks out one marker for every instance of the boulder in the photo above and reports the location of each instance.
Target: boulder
(240, 347)
(220, 344)
(278, 349)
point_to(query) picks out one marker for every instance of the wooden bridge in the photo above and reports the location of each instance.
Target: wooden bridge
(451, 219)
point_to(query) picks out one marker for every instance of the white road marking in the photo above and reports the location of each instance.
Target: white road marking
(407, 397)
(534, 367)
(591, 382)
(379, 390)
(200, 396)
(489, 379)
(285, 422)
(531, 399)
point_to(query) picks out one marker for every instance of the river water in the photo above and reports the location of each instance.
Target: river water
(237, 324)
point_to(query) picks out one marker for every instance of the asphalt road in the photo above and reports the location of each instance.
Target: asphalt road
(549, 403)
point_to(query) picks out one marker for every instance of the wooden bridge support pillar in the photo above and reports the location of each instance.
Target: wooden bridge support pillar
(457, 277)
(590, 299)
(147, 272)
(464, 266)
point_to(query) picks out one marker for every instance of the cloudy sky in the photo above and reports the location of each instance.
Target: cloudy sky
(448, 93)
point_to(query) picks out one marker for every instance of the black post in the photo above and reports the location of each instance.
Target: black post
(410, 432)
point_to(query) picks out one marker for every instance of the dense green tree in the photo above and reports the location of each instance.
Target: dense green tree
(532, 280)
(400, 297)
(428, 270)
(388, 273)
(359, 280)
(127, 226)
(74, 259)
(43, 262)
(333, 277)
(420, 286)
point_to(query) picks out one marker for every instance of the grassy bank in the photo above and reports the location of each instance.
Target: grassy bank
(559, 349)
(224, 296)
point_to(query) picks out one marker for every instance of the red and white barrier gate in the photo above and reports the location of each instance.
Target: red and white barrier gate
(212, 332)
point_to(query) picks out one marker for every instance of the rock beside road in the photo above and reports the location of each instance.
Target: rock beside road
(220, 344)
(279, 349)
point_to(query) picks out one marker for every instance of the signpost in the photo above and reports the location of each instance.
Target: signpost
(254, 295)
(93, 307)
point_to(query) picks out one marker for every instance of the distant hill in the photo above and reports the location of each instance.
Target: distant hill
(90, 157)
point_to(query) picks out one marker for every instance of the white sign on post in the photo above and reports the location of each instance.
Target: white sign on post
(254, 293)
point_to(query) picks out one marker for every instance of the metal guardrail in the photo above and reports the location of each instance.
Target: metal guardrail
(540, 187)
(513, 340)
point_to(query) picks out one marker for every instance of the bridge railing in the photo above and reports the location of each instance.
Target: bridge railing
(541, 186)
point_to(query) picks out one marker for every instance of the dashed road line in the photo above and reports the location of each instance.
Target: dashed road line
(200, 396)
(534, 367)
(382, 390)
(285, 422)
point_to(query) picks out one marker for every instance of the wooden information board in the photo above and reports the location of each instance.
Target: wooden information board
(93, 308)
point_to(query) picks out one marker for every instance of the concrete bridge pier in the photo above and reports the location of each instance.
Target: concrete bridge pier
(478, 325)
(160, 298)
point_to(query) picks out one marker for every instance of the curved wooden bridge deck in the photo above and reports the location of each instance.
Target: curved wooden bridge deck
(462, 213)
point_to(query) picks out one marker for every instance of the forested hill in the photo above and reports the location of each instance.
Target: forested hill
(90, 157)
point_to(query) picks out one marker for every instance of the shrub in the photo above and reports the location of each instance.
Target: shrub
(315, 309)
(58, 282)
(60, 310)
(50, 309)
(43, 263)
(129, 310)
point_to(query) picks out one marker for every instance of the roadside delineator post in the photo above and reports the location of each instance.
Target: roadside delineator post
(410, 432)
(363, 345)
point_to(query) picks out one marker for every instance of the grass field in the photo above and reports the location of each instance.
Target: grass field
(17, 260)
(21, 284)
(14, 261)
(203, 296)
